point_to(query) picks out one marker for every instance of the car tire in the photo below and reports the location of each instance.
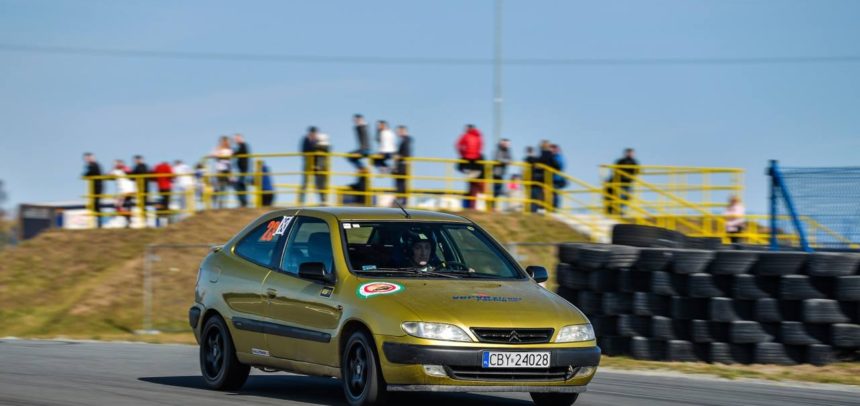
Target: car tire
(218, 363)
(771, 263)
(751, 287)
(820, 355)
(649, 304)
(845, 335)
(689, 261)
(848, 288)
(797, 333)
(773, 353)
(732, 262)
(767, 310)
(653, 259)
(553, 399)
(823, 311)
(832, 264)
(801, 287)
(646, 236)
(363, 384)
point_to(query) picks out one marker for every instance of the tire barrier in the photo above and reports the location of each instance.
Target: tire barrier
(656, 295)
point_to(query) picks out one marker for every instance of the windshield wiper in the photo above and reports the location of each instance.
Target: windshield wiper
(410, 271)
(470, 274)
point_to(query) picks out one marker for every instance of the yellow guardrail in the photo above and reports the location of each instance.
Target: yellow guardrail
(687, 199)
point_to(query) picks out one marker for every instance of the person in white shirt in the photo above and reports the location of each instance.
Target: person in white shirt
(184, 183)
(387, 145)
(125, 191)
(223, 155)
(735, 221)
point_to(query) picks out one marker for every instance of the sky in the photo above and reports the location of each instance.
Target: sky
(53, 107)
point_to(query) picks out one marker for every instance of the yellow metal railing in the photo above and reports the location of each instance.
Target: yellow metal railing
(687, 199)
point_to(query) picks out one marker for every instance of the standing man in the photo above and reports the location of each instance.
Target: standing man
(266, 185)
(558, 181)
(625, 173)
(363, 142)
(503, 158)
(308, 147)
(387, 147)
(184, 184)
(401, 167)
(92, 168)
(241, 152)
(140, 168)
(470, 147)
(165, 183)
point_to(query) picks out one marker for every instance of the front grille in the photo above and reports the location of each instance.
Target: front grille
(513, 335)
(510, 374)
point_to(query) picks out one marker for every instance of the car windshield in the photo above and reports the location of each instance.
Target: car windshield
(425, 249)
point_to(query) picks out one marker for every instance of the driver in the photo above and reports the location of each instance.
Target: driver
(418, 250)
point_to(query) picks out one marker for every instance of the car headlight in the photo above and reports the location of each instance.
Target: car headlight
(578, 332)
(435, 331)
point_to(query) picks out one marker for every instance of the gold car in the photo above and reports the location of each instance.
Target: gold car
(386, 300)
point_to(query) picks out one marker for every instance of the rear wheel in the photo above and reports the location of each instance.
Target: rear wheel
(218, 363)
(362, 378)
(554, 399)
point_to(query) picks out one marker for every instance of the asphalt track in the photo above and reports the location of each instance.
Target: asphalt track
(94, 373)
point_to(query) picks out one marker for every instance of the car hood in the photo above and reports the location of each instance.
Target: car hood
(472, 303)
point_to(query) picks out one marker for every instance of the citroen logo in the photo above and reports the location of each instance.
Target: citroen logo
(514, 337)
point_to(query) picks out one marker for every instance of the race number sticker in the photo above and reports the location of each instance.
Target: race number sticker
(282, 228)
(377, 288)
(276, 228)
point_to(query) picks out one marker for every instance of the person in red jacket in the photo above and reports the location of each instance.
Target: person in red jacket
(470, 147)
(470, 144)
(165, 183)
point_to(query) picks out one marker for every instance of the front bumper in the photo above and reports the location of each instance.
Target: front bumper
(403, 366)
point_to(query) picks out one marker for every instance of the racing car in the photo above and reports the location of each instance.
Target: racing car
(386, 300)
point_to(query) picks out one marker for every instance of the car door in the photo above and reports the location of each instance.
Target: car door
(242, 276)
(306, 311)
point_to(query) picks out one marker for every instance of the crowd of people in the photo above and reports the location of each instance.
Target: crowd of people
(231, 169)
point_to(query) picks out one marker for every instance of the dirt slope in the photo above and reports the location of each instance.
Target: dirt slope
(89, 283)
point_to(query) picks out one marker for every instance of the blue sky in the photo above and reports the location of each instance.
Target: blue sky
(54, 107)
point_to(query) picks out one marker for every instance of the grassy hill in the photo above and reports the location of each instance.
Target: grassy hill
(89, 284)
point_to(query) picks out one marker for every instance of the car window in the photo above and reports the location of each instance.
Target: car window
(309, 241)
(259, 245)
(430, 246)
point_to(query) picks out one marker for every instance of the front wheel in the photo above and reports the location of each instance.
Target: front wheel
(218, 363)
(554, 399)
(363, 384)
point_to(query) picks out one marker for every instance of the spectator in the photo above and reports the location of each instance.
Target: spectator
(532, 177)
(184, 183)
(503, 158)
(360, 189)
(321, 166)
(363, 142)
(309, 144)
(243, 168)
(201, 186)
(735, 221)
(470, 147)
(165, 183)
(387, 148)
(539, 175)
(125, 191)
(515, 192)
(266, 186)
(626, 170)
(141, 170)
(93, 168)
(558, 181)
(223, 154)
(401, 166)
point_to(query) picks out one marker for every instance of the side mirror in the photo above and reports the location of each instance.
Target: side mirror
(315, 271)
(538, 273)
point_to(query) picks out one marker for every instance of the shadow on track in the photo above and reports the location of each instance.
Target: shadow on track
(327, 391)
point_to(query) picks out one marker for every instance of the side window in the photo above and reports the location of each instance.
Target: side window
(310, 241)
(259, 245)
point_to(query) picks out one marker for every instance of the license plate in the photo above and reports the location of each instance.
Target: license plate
(498, 359)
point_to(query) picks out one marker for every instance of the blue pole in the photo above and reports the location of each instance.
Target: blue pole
(789, 204)
(774, 243)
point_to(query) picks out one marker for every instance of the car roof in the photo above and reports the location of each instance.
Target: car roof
(379, 213)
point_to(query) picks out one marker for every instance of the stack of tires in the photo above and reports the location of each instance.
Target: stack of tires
(655, 295)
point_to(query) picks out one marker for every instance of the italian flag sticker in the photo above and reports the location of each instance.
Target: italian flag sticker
(377, 288)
